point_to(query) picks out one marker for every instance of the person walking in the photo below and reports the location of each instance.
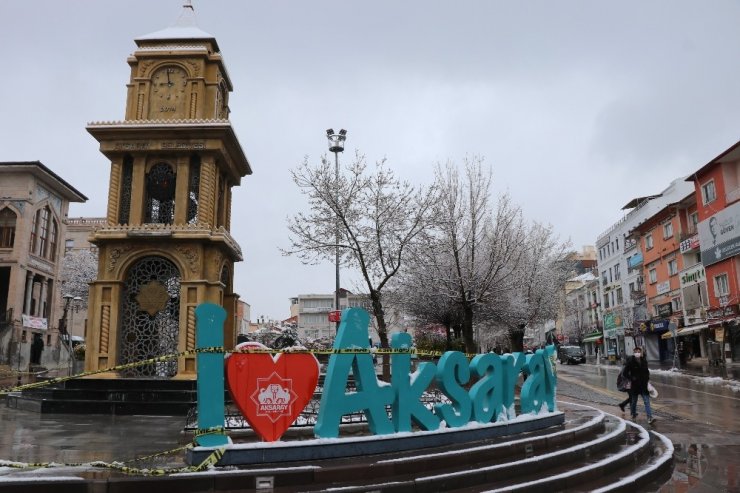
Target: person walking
(637, 371)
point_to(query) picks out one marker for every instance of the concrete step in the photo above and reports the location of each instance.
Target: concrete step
(592, 451)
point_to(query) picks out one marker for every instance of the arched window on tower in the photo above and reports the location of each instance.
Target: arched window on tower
(7, 228)
(193, 189)
(127, 173)
(160, 194)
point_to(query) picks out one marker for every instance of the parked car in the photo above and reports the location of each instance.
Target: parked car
(571, 355)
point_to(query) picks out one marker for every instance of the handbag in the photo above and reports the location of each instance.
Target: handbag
(623, 383)
(652, 391)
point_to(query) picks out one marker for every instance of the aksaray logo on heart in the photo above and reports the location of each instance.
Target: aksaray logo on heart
(274, 397)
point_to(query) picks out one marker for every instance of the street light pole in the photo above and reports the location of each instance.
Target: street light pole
(336, 145)
(63, 329)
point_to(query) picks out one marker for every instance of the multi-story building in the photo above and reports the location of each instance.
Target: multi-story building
(243, 317)
(34, 202)
(619, 265)
(659, 237)
(312, 315)
(313, 312)
(717, 187)
(577, 313)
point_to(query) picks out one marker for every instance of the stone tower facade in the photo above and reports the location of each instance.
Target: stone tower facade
(166, 246)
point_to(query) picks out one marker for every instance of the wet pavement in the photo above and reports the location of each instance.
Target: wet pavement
(699, 415)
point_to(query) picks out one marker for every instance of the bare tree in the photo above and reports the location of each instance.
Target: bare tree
(538, 287)
(79, 269)
(377, 215)
(477, 248)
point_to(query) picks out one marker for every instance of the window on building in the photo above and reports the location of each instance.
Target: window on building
(53, 234)
(326, 303)
(606, 301)
(676, 305)
(43, 231)
(616, 242)
(632, 287)
(612, 296)
(672, 267)
(7, 228)
(648, 241)
(604, 278)
(693, 221)
(667, 230)
(616, 272)
(708, 192)
(721, 285)
(69, 244)
(610, 275)
(653, 276)
(44, 234)
(619, 296)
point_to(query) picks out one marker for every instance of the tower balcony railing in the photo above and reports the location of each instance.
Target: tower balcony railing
(176, 231)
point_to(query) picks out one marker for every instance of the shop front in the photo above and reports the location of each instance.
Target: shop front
(659, 344)
(593, 343)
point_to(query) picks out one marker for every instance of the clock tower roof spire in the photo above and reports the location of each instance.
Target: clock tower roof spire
(184, 28)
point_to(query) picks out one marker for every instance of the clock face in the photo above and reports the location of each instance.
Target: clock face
(167, 97)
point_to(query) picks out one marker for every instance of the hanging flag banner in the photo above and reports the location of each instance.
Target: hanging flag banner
(34, 322)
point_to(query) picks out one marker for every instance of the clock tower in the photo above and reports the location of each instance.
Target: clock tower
(166, 246)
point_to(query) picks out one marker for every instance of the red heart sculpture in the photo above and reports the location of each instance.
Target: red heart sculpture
(271, 393)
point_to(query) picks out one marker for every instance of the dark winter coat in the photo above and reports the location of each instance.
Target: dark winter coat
(636, 370)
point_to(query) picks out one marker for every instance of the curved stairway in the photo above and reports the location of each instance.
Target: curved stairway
(592, 451)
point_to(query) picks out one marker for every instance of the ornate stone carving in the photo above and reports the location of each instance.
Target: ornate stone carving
(191, 255)
(144, 67)
(152, 297)
(194, 67)
(104, 329)
(115, 254)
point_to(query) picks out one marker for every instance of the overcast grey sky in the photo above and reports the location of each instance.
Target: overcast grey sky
(578, 106)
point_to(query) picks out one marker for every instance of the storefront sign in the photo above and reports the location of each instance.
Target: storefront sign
(611, 321)
(663, 287)
(722, 312)
(690, 244)
(665, 310)
(719, 334)
(693, 275)
(659, 325)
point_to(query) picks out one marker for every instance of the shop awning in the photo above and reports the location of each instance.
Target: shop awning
(592, 337)
(685, 331)
(692, 329)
